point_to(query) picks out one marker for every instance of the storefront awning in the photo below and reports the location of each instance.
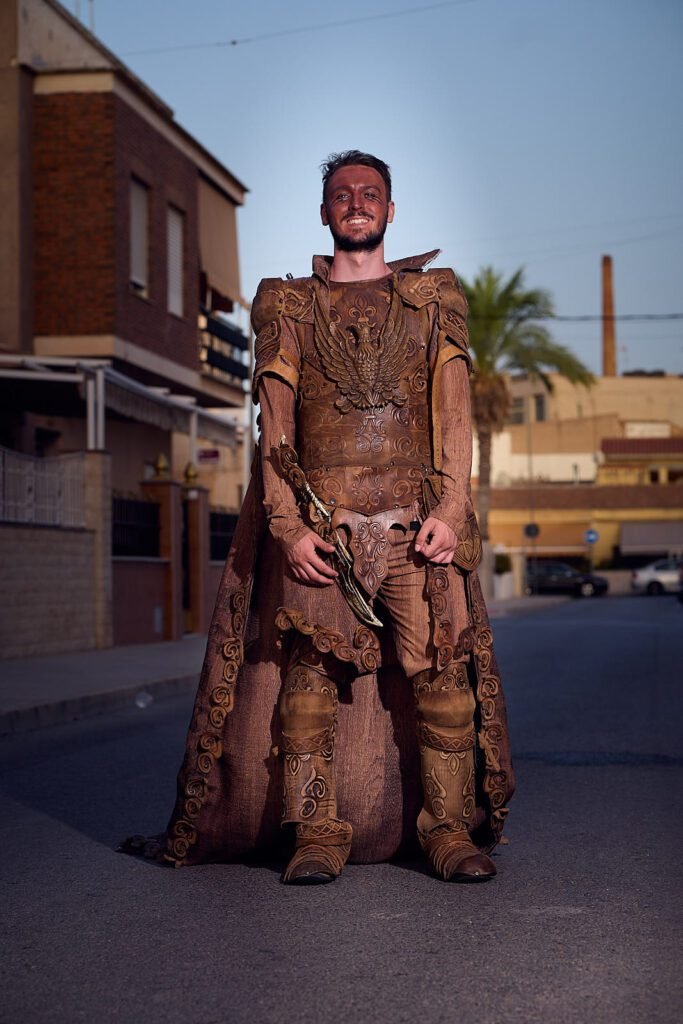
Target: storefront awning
(652, 538)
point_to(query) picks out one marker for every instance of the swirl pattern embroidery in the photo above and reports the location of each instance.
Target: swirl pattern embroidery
(435, 794)
(497, 783)
(363, 651)
(368, 487)
(370, 435)
(209, 749)
(368, 545)
(313, 791)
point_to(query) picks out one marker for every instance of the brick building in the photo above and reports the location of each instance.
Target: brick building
(120, 338)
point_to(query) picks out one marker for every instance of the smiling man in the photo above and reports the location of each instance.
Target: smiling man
(363, 369)
(355, 556)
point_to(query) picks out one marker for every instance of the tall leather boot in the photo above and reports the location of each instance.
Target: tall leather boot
(445, 727)
(308, 711)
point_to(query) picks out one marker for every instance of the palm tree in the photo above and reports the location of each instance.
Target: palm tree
(505, 337)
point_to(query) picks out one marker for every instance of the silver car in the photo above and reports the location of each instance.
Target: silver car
(657, 578)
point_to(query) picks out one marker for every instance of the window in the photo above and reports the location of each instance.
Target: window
(539, 408)
(175, 229)
(516, 414)
(139, 219)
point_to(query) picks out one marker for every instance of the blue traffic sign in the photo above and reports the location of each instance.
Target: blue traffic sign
(591, 536)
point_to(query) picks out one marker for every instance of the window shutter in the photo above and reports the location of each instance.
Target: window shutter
(138, 236)
(174, 248)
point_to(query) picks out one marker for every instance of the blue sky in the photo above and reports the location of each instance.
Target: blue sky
(536, 132)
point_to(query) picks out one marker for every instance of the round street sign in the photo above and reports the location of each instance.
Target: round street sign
(591, 536)
(532, 530)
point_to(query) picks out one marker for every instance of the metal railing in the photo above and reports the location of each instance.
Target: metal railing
(42, 491)
(134, 528)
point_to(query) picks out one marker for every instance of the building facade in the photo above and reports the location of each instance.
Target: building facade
(120, 321)
(607, 459)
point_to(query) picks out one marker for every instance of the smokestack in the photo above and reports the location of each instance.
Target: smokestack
(609, 341)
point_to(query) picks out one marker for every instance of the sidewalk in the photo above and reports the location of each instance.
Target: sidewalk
(37, 692)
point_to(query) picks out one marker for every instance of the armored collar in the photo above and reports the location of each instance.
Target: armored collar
(322, 264)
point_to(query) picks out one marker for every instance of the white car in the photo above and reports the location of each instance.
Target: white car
(657, 577)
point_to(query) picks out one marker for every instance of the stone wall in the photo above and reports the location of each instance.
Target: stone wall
(55, 581)
(46, 590)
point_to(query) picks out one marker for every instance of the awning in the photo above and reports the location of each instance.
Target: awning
(136, 402)
(652, 538)
(136, 406)
(101, 386)
(218, 241)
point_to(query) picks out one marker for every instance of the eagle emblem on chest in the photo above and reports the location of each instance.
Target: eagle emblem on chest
(366, 364)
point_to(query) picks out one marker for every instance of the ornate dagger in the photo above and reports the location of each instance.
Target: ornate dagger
(288, 460)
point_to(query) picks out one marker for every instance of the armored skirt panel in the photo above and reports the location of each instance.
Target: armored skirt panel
(363, 413)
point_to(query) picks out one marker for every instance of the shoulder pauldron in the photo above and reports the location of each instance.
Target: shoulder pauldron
(439, 286)
(276, 298)
(276, 351)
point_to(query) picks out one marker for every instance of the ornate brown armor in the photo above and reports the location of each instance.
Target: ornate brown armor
(364, 362)
(375, 352)
(363, 416)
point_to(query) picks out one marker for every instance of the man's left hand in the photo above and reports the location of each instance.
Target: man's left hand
(436, 541)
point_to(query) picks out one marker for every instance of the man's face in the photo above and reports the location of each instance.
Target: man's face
(356, 208)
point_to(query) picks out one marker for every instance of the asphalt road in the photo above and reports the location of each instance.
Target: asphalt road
(581, 924)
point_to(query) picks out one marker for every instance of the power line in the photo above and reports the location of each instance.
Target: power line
(299, 31)
(589, 317)
(640, 317)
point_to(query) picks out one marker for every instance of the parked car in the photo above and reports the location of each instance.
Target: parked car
(560, 578)
(657, 578)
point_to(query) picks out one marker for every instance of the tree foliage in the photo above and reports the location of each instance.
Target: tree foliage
(507, 336)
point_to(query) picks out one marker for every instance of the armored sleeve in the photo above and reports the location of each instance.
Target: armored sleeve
(276, 350)
(277, 418)
(449, 344)
(456, 434)
(452, 320)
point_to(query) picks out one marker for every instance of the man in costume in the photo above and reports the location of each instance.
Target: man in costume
(363, 472)
(348, 363)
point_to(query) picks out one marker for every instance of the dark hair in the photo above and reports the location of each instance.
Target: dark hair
(353, 158)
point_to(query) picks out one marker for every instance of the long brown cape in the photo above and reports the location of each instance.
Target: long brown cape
(230, 787)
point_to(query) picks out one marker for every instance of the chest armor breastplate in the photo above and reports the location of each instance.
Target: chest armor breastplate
(363, 414)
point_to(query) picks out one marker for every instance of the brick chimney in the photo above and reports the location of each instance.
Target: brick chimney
(609, 342)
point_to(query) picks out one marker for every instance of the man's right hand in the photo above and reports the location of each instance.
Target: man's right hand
(306, 563)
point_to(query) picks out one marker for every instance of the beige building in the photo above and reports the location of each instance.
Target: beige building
(557, 437)
(608, 459)
(642, 459)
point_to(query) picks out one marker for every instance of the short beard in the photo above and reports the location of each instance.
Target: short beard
(368, 244)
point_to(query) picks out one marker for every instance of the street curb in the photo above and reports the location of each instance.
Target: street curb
(60, 712)
(22, 720)
(497, 612)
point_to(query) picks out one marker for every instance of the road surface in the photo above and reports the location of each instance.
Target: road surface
(580, 925)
